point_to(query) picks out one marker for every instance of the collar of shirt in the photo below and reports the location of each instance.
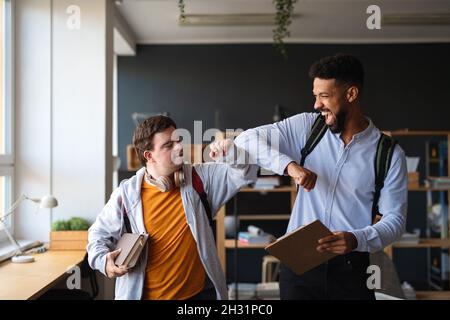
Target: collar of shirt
(359, 135)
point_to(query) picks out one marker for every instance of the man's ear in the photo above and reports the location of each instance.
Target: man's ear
(148, 156)
(352, 93)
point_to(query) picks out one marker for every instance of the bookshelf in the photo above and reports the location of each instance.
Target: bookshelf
(223, 244)
(429, 243)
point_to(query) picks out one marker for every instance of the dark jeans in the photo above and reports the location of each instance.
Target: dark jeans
(341, 278)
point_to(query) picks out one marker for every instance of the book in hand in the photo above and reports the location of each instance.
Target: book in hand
(131, 245)
(298, 249)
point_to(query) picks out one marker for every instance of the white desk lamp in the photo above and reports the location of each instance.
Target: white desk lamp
(46, 202)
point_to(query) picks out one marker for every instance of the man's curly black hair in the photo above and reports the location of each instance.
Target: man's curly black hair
(344, 68)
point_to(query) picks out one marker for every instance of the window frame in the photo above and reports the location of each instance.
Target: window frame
(7, 159)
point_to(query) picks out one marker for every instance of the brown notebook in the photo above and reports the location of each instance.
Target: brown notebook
(131, 245)
(297, 249)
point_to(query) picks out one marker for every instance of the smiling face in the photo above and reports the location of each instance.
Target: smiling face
(332, 102)
(166, 155)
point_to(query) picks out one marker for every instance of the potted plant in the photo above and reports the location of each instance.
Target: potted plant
(69, 235)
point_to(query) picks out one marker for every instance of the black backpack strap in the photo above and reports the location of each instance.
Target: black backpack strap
(197, 184)
(318, 130)
(383, 158)
(126, 219)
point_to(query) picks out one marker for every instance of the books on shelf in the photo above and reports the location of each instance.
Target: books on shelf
(437, 182)
(409, 238)
(267, 183)
(249, 238)
(245, 291)
(268, 291)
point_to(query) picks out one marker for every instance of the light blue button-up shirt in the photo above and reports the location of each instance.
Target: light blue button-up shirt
(343, 194)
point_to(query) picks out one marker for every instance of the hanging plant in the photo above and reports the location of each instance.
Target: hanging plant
(182, 13)
(283, 19)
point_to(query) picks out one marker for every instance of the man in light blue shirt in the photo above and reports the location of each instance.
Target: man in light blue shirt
(337, 182)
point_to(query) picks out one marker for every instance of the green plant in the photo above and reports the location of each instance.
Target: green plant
(75, 223)
(182, 12)
(283, 19)
(60, 225)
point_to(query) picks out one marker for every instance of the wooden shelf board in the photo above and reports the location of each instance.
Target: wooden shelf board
(425, 243)
(264, 216)
(433, 295)
(229, 243)
(423, 188)
(280, 189)
(417, 133)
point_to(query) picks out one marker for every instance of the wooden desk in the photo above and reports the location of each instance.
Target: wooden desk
(23, 281)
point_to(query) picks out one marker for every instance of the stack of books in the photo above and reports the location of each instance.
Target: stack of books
(249, 238)
(246, 291)
(437, 182)
(410, 238)
(268, 291)
(267, 183)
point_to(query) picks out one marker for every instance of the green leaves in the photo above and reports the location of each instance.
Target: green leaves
(75, 223)
(283, 19)
(182, 12)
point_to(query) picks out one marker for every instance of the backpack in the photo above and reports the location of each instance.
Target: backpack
(382, 161)
(197, 184)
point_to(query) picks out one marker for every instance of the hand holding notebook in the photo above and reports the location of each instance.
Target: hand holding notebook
(298, 249)
(131, 246)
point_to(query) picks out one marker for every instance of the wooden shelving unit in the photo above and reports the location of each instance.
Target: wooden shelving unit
(224, 244)
(264, 216)
(230, 244)
(425, 242)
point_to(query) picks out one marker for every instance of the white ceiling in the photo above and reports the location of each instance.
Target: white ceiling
(320, 21)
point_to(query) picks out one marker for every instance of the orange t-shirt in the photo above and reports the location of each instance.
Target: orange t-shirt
(174, 270)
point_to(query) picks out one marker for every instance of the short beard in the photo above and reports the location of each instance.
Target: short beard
(340, 121)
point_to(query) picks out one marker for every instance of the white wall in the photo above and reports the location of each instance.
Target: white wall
(83, 84)
(32, 114)
(77, 151)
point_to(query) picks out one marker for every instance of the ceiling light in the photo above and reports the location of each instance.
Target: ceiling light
(229, 19)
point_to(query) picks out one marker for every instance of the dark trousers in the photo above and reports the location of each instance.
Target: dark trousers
(341, 278)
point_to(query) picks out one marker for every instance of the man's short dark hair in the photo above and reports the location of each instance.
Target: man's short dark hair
(344, 68)
(144, 133)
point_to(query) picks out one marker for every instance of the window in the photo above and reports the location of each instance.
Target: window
(6, 112)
